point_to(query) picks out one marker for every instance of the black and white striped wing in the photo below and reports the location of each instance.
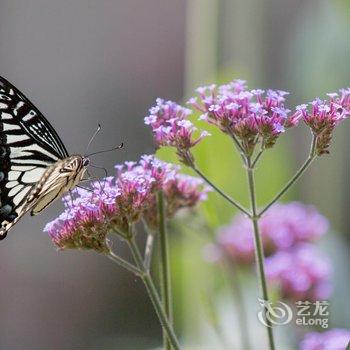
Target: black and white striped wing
(28, 146)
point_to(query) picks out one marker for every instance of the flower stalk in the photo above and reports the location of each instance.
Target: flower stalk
(222, 193)
(123, 263)
(296, 177)
(257, 158)
(164, 264)
(259, 250)
(238, 145)
(153, 294)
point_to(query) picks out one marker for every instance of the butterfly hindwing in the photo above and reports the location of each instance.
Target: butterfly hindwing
(28, 147)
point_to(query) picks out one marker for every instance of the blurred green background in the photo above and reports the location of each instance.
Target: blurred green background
(84, 62)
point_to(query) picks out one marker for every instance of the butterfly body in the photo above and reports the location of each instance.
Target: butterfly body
(35, 168)
(57, 180)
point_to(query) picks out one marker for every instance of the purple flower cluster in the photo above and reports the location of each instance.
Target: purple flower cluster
(171, 127)
(281, 228)
(301, 273)
(116, 203)
(249, 115)
(323, 116)
(334, 339)
(293, 264)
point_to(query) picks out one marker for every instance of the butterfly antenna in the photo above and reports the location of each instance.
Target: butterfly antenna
(107, 150)
(99, 167)
(93, 137)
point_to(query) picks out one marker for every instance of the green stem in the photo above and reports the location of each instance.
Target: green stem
(153, 294)
(255, 161)
(123, 263)
(239, 146)
(298, 174)
(222, 193)
(164, 264)
(259, 250)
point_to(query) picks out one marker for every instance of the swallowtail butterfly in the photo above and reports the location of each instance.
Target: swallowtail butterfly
(35, 167)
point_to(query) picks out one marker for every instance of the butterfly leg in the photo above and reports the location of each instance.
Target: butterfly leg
(85, 188)
(102, 187)
(71, 203)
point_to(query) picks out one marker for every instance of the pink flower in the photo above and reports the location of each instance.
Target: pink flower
(82, 224)
(282, 227)
(184, 191)
(301, 273)
(116, 203)
(249, 115)
(171, 127)
(323, 116)
(334, 339)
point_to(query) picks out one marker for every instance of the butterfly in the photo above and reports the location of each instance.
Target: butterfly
(35, 167)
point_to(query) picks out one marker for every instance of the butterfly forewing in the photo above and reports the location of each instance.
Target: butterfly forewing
(18, 112)
(29, 146)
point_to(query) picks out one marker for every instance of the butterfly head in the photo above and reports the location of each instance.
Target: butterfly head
(74, 166)
(86, 161)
